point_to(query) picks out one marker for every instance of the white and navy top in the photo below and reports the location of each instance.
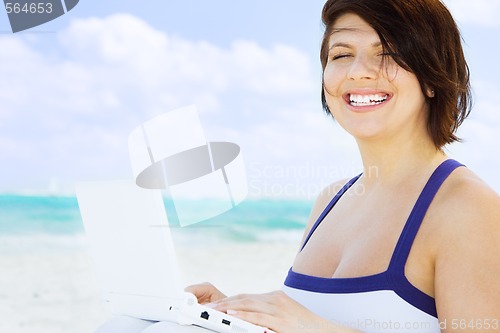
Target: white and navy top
(384, 302)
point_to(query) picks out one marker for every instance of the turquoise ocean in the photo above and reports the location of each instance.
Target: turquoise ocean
(55, 222)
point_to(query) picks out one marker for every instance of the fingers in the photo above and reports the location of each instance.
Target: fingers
(256, 309)
(205, 292)
(275, 310)
(265, 303)
(257, 318)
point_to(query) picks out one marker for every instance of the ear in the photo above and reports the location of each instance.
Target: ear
(430, 92)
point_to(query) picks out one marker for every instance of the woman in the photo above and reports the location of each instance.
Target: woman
(394, 256)
(412, 245)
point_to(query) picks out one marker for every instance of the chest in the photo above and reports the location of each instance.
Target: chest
(357, 237)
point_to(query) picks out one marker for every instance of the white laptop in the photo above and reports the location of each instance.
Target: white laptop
(131, 244)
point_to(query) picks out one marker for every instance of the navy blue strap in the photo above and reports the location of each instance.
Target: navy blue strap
(329, 207)
(412, 225)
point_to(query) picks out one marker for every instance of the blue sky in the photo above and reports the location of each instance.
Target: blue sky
(74, 88)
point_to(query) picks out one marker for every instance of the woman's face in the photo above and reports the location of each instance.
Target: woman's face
(370, 95)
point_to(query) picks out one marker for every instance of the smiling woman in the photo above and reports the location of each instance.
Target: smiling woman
(417, 249)
(429, 48)
(360, 77)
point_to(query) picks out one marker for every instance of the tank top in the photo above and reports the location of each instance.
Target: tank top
(383, 302)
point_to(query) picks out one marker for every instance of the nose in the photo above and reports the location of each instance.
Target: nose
(363, 68)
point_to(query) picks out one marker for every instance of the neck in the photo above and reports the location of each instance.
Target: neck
(396, 161)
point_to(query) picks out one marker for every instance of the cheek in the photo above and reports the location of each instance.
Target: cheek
(391, 71)
(409, 86)
(331, 81)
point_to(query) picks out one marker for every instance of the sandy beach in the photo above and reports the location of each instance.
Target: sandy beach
(52, 288)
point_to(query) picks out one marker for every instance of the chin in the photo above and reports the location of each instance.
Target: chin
(362, 130)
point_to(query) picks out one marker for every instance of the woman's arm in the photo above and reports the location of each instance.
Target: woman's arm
(467, 267)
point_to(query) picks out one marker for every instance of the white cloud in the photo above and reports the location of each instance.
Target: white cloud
(67, 109)
(485, 107)
(152, 59)
(478, 12)
(287, 70)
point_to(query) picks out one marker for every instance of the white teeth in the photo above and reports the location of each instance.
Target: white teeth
(363, 100)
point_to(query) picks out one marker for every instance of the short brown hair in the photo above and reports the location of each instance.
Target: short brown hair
(424, 39)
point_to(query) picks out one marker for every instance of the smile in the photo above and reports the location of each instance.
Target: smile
(367, 100)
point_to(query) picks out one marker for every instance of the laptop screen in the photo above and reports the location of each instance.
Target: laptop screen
(129, 238)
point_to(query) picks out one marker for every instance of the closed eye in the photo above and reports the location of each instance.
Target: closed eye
(340, 56)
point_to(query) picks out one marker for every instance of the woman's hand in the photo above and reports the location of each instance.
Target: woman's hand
(205, 292)
(275, 311)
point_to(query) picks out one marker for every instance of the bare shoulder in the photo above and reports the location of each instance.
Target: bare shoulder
(468, 223)
(466, 202)
(467, 262)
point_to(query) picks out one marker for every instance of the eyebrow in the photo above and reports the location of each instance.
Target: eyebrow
(346, 45)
